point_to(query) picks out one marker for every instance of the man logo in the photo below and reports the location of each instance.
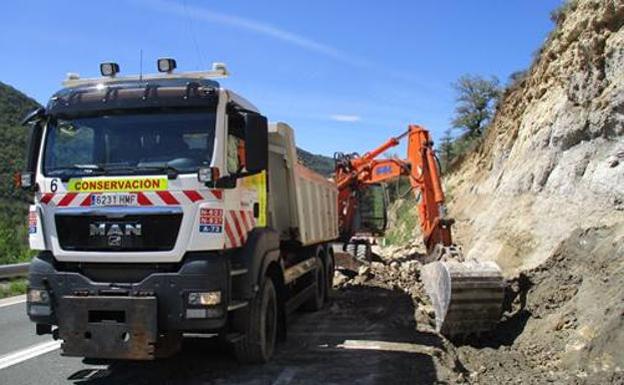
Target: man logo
(120, 229)
(114, 240)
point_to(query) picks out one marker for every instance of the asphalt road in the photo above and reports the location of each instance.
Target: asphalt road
(365, 336)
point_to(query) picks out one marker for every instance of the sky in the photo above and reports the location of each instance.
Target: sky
(346, 75)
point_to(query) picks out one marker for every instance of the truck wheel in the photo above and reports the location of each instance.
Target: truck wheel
(329, 280)
(257, 345)
(318, 300)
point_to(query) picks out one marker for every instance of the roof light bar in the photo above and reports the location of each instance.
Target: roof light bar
(110, 70)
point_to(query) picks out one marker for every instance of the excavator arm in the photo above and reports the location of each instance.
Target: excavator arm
(467, 295)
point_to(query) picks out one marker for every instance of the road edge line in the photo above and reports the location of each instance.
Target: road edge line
(25, 354)
(12, 300)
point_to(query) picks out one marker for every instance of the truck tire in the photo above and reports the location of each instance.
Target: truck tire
(258, 344)
(318, 300)
(329, 280)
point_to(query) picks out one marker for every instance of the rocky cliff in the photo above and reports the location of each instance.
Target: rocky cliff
(553, 159)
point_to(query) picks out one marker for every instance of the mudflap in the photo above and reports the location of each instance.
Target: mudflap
(467, 297)
(108, 327)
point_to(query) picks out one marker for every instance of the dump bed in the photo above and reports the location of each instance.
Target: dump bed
(302, 203)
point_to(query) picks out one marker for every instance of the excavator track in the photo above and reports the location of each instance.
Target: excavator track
(467, 296)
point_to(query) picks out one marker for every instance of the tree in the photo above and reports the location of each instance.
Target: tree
(476, 99)
(446, 149)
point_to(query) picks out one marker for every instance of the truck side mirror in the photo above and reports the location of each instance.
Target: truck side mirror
(256, 142)
(33, 116)
(26, 178)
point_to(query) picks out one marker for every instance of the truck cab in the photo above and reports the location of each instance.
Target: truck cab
(154, 216)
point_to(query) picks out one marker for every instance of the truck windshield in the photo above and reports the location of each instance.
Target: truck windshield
(129, 144)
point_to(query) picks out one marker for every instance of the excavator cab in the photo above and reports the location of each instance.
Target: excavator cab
(369, 220)
(371, 216)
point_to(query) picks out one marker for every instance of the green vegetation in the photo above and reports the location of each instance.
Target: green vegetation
(13, 287)
(403, 221)
(324, 165)
(13, 210)
(476, 99)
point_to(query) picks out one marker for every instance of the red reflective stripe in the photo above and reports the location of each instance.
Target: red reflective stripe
(46, 198)
(250, 215)
(217, 193)
(237, 225)
(230, 235)
(143, 200)
(67, 199)
(245, 220)
(193, 195)
(167, 197)
(86, 201)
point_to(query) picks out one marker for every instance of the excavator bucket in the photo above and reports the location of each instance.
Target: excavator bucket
(467, 296)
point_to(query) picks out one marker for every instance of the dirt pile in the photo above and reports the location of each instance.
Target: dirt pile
(563, 322)
(567, 326)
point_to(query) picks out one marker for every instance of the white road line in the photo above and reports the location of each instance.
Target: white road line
(12, 300)
(28, 353)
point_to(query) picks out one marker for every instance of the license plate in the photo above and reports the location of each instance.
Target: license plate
(114, 199)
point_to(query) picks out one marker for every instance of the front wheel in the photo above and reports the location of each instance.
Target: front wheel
(258, 344)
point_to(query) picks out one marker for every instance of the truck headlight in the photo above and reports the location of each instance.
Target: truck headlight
(209, 298)
(38, 296)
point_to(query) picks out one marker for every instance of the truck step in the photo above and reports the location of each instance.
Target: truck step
(237, 305)
(235, 272)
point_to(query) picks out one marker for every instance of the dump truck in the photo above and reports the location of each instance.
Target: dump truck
(164, 205)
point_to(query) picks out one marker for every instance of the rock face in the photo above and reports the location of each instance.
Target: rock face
(553, 159)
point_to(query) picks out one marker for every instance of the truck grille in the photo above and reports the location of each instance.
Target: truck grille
(129, 232)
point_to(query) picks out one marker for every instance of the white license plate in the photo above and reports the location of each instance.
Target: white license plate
(114, 199)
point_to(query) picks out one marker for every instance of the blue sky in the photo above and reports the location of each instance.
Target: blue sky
(345, 74)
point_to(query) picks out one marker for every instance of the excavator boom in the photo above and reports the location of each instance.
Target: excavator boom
(467, 296)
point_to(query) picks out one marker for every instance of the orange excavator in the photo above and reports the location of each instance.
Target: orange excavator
(467, 295)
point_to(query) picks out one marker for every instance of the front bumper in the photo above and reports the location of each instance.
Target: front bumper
(108, 327)
(96, 318)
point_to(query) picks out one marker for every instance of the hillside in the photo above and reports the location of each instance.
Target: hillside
(14, 105)
(544, 197)
(324, 165)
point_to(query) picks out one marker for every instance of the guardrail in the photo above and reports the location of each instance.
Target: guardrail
(14, 270)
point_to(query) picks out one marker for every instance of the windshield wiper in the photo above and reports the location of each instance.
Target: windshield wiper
(171, 171)
(94, 167)
(89, 169)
